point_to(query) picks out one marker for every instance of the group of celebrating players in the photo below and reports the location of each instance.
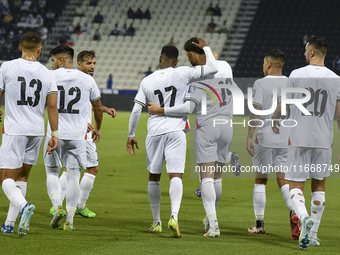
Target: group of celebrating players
(170, 94)
(170, 99)
(70, 95)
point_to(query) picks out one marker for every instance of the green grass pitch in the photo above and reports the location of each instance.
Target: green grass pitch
(120, 199)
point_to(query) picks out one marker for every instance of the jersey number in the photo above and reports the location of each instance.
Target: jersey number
(225, 92)
(161, 98)
(71, 103)
(319, 108)
(29, 100)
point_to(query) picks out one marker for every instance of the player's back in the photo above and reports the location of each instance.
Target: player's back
(219, 101)
(26, 85)
(167, 88)
(263, 95)
(315, 130)
(75, 90)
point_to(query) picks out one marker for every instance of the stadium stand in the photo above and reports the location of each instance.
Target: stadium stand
(283, 25)
(125, 56)
(18, 17)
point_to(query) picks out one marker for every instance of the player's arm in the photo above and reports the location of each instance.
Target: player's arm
(52, 111)
(253, 120)
(178, 110)
(98, 117)
(210, 66)
(110, 111)
(133, 122)
(1, 113)
(276, 117)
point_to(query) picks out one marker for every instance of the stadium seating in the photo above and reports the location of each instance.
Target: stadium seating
(125, 57)
(282, 25)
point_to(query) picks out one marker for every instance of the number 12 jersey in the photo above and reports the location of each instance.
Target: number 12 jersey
(75, 90)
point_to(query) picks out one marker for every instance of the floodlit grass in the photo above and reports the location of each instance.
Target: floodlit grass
(120, 199)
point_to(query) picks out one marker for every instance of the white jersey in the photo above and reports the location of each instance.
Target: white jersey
(166, 87)
(26, 84)
(219, 101)
(263, 96)
(89, 134)
(76, 89)
(315, 130)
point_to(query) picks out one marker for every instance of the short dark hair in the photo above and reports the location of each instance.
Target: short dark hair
(277, 57)
(319, 44)
(30, 41)
(189, 46)
(85, 55)
(170, 52)
(63, 49)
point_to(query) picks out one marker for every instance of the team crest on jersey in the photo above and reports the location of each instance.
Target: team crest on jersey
(254, 91)
(192, 89)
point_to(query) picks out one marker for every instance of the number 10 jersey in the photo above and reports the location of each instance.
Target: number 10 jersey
(76, 90)
(26, 85)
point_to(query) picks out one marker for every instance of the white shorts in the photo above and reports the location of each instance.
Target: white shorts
(73, 152)
(267, 160)
(305, 163)
(213, 143)
(170, 147)
(91, 154)
(16, 150)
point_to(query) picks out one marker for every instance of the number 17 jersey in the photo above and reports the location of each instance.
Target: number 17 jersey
(76, 90)
(166, 87)
(26, 85)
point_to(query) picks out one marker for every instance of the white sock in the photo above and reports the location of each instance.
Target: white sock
(72, 192)
(53, 185)
(176, 193)
(229, 157)
(259, 200)
(154, 192)
(218, 191)
(13, 211)
(298, 202)
(316, 208)
(13, 193)
(63, 185)
(209, 199)
(86, 186)
(286, 196)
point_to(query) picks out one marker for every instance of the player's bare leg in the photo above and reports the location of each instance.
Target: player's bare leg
(86, 186)
(298, 201)
(154, 192)
(259, 203)
(294, 220)
(317, 207)
(207, 173)
(13, 211)
(176, 193)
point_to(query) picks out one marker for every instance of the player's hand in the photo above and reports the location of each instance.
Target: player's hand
(111, 111)
(250, 146)
(1, 113)
(90, 127)
(130, 145)
(154, 109)
(275, 125)
(52, 145)
(201, 43)
(96, 135)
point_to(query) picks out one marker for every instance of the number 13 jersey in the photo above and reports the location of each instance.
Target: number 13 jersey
(75, 90)
(166, 87)
(26, 85)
